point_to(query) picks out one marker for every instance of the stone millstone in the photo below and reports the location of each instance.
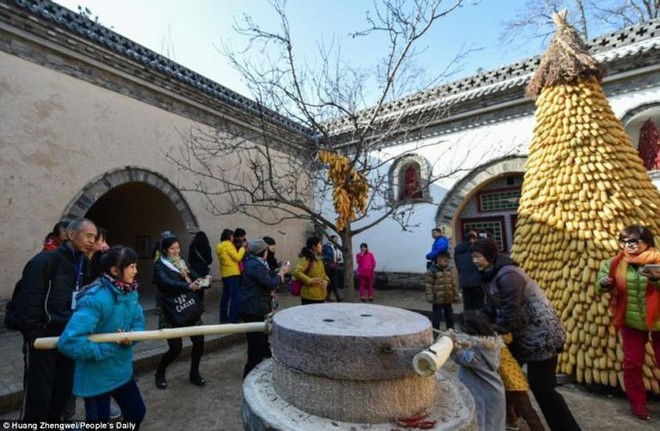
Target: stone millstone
(372, 401)
(264, 409)
(350, 341)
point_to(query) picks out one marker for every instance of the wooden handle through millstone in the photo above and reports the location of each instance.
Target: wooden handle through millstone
(162, 334)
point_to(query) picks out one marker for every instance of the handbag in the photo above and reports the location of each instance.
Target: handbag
(295, 285)
(184, 309)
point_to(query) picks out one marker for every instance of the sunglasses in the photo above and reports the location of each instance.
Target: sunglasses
(631, 242)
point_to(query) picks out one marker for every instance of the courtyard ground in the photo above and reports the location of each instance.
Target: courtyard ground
(183, 406)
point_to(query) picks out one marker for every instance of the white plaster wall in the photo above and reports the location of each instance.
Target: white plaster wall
(396, 250)
(58, 133)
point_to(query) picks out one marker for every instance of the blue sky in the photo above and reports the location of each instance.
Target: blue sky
(190, 31)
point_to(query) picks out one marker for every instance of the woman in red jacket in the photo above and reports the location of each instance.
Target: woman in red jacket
(366, 266)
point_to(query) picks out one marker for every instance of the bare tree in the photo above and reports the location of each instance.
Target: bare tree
(589, 17)
(270, 169)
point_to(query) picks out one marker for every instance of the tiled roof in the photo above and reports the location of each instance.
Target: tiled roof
(606, 49)
(95, 32)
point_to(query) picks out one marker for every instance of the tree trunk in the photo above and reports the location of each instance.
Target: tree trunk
(347, 247)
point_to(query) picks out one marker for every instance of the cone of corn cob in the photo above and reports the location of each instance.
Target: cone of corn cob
(583, 183)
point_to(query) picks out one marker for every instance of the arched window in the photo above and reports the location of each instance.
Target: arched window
(411, 182)
(409, 178)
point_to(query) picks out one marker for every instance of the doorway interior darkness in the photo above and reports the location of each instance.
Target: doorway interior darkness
(134, 214)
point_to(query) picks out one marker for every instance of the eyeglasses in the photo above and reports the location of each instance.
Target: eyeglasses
(631, 242)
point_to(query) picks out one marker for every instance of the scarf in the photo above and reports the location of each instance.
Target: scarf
(123, 287)
(618, 271)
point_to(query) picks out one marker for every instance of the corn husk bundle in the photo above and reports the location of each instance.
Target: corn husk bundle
(350, 188)
(583, 183)
(649, 145)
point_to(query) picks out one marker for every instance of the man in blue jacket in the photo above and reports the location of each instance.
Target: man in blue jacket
(44, 304)
(440, 244)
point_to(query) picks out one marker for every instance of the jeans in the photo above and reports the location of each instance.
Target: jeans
(438, 310)
(229, 299)
(128, 398)
(333, 286)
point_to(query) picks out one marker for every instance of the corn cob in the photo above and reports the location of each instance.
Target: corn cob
(350, 188)
(583, 183)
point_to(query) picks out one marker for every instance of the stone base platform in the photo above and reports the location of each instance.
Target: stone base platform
(263, 409)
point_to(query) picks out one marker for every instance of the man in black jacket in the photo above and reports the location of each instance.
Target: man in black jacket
(44, 303)
(469, 278)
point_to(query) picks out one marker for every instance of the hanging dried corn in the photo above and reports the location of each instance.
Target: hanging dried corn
(350, 188)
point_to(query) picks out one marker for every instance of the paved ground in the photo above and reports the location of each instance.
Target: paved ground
(217, 406)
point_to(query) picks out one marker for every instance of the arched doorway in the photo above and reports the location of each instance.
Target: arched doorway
(486, 198)
(135, 205)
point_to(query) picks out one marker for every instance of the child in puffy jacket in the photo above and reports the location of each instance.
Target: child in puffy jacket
(442, 290)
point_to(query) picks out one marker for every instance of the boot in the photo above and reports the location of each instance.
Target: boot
(196, 379)
(161, 382)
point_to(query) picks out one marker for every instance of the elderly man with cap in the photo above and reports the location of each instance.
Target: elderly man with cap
(257, 298)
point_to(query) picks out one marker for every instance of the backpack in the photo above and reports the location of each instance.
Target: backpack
(295, 285)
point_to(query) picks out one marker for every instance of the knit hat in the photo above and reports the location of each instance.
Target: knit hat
(256, 246)
(487, 247)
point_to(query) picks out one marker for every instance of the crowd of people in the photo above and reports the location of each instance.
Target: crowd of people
(78, 286)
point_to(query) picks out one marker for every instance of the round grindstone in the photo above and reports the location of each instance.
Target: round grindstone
(351, 400)
(264, 409)
(350, 341)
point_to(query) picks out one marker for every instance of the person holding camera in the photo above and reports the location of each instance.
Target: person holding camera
(257, 299)
(633, 279)
(173, 276)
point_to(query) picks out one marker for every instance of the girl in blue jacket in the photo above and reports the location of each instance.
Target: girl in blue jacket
(104, 370)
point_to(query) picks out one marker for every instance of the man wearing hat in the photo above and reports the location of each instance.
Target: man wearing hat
(257, 298)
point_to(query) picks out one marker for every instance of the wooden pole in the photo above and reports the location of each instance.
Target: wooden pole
(162, 334)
